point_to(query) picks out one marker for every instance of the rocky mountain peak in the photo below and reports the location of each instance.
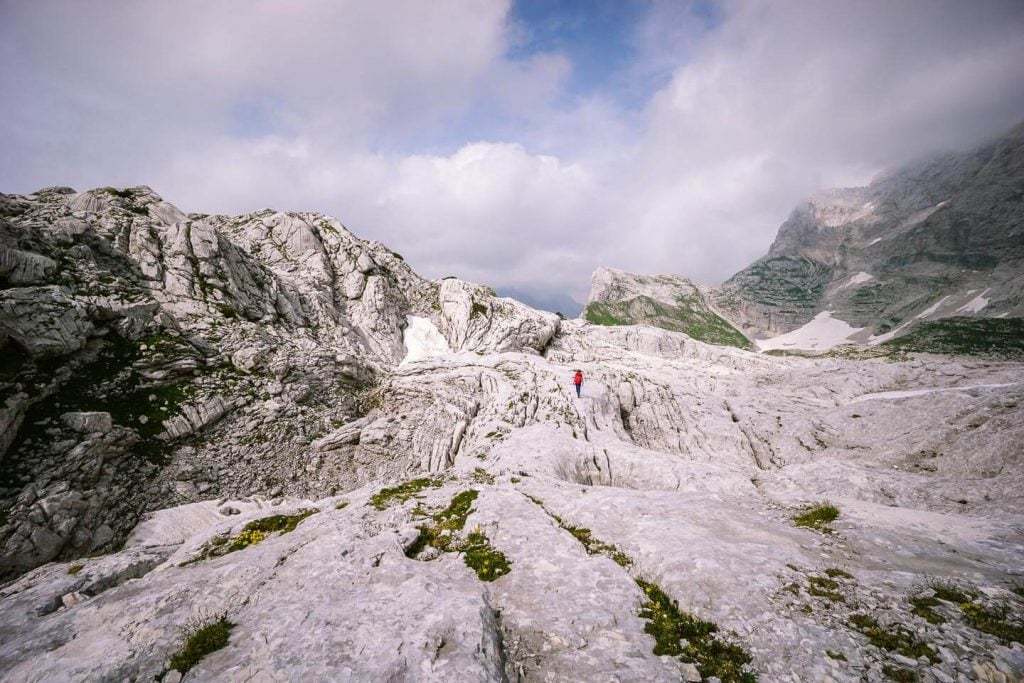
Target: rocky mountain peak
(919, 244)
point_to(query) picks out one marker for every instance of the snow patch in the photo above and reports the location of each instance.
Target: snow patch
(931, 309)
(976, 304)
(820, 334)
(857, 279)
(875, 241)
(422, 340)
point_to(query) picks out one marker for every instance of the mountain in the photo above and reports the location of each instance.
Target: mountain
(258, 447)
(665, 301)
(123, 318)
(934, 239)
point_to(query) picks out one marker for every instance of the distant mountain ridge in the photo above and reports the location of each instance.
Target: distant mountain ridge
(666, 301)
(934, 239)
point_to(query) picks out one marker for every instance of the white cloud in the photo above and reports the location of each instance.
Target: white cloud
(358, 109)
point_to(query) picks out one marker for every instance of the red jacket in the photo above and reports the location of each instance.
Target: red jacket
(578, 379)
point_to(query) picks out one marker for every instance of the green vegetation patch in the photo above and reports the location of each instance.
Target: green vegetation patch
(924, 607)
(993, 621)
(443, 535)
(837, 573)
(75, 568)
(951, 592)
(403, 492)
(824, 588)
(488, 563)
(838, 656)
(894, 639)
(899, 674)
(817, 516)
(482, 476)
(252, 533)
(479, 310)
(689, 315)
(201, 639)
(584, 536)
(712, 655)
(595, 546)
(998, 337)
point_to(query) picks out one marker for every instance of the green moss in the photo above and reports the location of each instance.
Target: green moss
(443, 535)
(817, 516)
(75, 568)
(895, 639)
(898, 674)
(993, 621)
(713, 655)
(342, 505)
(838, 656)
(922, 607)
(489, 564)
(252, 533)
(201, 640)
(403, 492)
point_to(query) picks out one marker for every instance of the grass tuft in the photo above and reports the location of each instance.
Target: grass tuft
(950, 592)
(75, 568)
(837, 573)
(202, 638)
(712, 655)
(817, 516)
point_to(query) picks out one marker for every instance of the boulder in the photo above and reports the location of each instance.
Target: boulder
(88, 422)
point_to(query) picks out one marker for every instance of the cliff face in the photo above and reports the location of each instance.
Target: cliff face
(938, 238)
(266, 329)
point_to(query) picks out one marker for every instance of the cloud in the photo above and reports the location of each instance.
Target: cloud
(427, 126)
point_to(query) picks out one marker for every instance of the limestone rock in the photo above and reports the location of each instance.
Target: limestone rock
(88, 422)
(44, 320)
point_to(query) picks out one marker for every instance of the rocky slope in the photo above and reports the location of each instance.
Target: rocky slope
(935, 239)
(153, 358)
(665, 301)
(443, 507)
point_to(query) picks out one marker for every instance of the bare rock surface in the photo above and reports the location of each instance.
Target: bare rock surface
(245, 431)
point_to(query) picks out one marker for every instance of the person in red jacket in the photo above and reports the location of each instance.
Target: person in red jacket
(578, 381)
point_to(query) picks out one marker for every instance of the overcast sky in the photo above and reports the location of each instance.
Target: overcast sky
(517, 144)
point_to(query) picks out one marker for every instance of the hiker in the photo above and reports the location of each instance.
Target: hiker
(578, 381)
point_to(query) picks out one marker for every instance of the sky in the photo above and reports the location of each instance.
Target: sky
(519, 144)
